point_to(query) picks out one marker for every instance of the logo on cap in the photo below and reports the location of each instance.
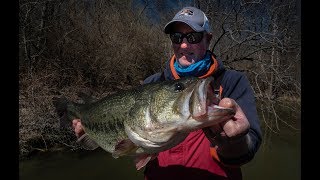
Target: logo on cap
(186, 12)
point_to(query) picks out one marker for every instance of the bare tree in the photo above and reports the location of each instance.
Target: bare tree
(262, 39)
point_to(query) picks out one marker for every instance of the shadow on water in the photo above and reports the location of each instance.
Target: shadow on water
(278, 158)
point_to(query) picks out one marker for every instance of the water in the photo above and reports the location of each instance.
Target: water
(278, 158)
(95, 165)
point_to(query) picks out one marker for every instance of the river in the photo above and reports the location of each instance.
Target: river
(278, 158)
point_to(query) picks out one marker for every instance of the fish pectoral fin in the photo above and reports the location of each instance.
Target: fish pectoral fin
(124, 147)
(143, 159)
(87, 143)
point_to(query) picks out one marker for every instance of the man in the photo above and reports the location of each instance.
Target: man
(216, 152)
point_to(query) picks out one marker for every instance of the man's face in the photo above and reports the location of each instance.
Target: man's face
(187, 53)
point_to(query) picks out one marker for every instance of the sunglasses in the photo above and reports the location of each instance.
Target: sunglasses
(192, 38)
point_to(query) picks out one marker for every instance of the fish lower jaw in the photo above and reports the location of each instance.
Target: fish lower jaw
(151, 145)
(175, 140)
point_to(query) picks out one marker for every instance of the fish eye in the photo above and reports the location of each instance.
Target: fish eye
(178, 87)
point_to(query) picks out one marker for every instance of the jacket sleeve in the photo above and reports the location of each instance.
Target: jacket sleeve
(236, 86)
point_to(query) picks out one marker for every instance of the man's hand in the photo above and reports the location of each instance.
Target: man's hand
(230, 137)
(83, 138)
(77, 126)
(235, 127)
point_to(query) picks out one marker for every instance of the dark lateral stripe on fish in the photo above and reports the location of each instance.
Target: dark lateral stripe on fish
(105, 126)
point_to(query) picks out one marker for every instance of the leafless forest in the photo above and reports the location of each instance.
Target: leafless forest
(99, 47)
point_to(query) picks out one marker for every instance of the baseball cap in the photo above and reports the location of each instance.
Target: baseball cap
(193, 17)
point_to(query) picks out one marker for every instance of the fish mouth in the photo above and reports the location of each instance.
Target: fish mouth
(204, 105)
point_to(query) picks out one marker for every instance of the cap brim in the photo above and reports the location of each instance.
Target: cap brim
(194, 26)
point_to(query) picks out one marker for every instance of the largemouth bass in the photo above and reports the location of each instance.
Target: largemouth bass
(148, 119)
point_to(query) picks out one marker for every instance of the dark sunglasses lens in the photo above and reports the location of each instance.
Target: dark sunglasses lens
(176, 38)
(194, 38)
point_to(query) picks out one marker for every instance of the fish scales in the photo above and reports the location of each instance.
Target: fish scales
(148, 119)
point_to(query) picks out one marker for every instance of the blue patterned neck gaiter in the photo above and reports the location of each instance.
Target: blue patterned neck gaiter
(197, 69)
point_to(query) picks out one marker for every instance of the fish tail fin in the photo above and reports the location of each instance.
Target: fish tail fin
(66, 110)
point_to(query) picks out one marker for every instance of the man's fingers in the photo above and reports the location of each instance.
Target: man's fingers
(77, 126)
(228, 125)
(239, 124)
(228, 103)
(75, 122)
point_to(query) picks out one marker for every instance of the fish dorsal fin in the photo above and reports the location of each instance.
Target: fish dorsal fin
(124, 147)
(143, 159)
